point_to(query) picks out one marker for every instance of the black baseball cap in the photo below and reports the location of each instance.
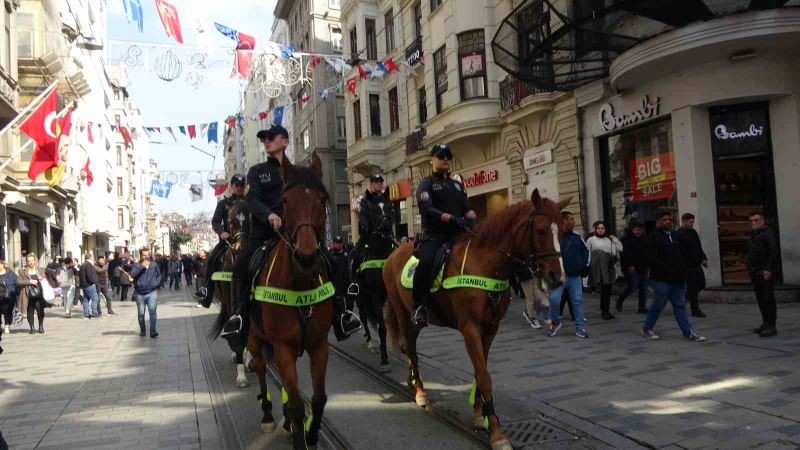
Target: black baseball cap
(271, 132)
(238, 179)
(338, 239)
(376, 179)
(441, 150)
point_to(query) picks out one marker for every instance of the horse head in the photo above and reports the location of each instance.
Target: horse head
(304, 199)
(538, 236)
(237, 217)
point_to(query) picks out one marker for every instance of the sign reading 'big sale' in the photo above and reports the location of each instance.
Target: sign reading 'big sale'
(652, 177)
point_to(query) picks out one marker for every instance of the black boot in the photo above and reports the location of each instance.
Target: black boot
(345, 322)
(232, 330)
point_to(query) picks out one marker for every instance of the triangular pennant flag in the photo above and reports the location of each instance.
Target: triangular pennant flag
(192, 131)
(172, 132)
(229, 32)
(158, 129)
(361, 72)
(203, 127)
(279, 115)
(88, 171)
(390, 66)
(89, 133)
(219, 188)
(338, 64)
(323, 94)
(182, 129)
(287, 52)
(262, 115)
(315, 61)
(230, 121)
(212, 132)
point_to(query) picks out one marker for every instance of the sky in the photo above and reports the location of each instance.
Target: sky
(176, 103)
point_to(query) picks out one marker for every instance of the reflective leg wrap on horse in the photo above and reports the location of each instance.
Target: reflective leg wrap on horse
(266, 403)
(313, 422)
(488, 412)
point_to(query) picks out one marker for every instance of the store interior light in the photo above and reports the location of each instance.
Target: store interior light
(742, 54)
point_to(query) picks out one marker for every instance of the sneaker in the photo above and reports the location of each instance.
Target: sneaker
(768, 331)
(533, 322)
(7, 330)
(199, 305)
(618, 305)
(68, 316)
(650, 334)
(698, 313)
(552, 330)
(582, 333)
(153, 335)
(695, 337)
(85, 318)
(142, 333)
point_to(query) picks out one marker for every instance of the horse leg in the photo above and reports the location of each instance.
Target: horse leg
(414, 380)
(377, 309)
(476, 400)
(241, 378)
(474, 344)
(286, 359)
(318, 359)
(267, 420)
(363, 316)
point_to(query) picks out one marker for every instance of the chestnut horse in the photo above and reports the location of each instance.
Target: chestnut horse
(281, 332)
(524, 232)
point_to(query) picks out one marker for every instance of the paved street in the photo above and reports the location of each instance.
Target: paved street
(97, 384)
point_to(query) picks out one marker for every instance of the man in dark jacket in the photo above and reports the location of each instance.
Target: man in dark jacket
(200, 269)
(187, 263)
(146, 280)
(114, 274)
(87, 278)
(762, 262)
(575, 257)
(668, 273)
(694, 257)
(634, 266)
(102, 285)
(446, 212)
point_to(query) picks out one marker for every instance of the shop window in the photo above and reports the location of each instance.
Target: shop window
(440, 77)
(354, 42)
(336, 39)
(638, 174)
(394, 114)
(472, 64)
(388, 30)
(372, 39)
(422, 102)
(375, 114)
(357, 118)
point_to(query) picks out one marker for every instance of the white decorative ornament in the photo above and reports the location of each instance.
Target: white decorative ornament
(167, 65)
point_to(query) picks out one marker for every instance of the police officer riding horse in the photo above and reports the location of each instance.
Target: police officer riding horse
(265, 202)
(446, 212)
(219, 223)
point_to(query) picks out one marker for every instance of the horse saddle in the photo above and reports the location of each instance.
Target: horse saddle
(439, 264)
(259, 260)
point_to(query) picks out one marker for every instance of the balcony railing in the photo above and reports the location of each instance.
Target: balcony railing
(414, 52)
(513, 91)
(414, 141)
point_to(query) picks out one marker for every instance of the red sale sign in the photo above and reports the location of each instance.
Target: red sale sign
(652, 177)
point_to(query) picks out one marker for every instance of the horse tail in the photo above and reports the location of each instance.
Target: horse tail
(219, 322)
(392, 300)
(392, 325)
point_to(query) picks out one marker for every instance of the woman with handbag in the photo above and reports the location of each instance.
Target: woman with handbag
(31, 296)
(8, 294)
(604, 249)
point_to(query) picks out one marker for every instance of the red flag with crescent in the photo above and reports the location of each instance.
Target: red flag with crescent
(169, 18)
(43, 128)
(351, 85)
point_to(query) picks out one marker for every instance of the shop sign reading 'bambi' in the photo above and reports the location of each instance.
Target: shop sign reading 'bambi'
(482, 177)
(652, 177)
(610, 122)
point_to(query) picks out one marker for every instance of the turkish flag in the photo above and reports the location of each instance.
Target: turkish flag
(351, 85)
(89, 176)
(219, 188)
(126, 136)
(244, 59)
(169, 18)
(192, 131)
(43, 128)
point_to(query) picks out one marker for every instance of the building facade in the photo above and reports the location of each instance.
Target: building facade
(507, 137)
(715, 135)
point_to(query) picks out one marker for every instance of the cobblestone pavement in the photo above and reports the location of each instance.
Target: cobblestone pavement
(97, 384)
(735, 391)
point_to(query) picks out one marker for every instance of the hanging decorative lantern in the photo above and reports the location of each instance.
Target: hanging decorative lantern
(167, 65)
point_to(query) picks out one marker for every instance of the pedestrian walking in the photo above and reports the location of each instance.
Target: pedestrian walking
(187, 262)
(114, 267)
(67, 282)
(668, 272)
(147, 278)
(604, 249)
(634, 266)
(125, 281)
(175, 272)
(31, 297)
(163, 266)
(695, 259)
(528, 287)
(575, 258)
(762, 262)
(87, 279)
(200, 268)
(103, 287)
(8, 294)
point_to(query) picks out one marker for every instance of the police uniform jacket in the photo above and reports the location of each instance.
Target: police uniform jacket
(264, 196)
(219, 222)
(368, 201)
(438, 194)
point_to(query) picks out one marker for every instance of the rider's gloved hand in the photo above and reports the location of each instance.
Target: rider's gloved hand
(460, 222)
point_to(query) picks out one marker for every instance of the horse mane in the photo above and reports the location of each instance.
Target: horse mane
(305, 176)
(495, 227)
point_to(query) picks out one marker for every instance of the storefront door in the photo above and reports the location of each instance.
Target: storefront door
(744, 181)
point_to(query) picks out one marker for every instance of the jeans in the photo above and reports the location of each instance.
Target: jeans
(765, 294)
(574, 286)
(188, 277)
(90, 294)
(635, 281)
(175, 279)
(675, 293)
(149, 299)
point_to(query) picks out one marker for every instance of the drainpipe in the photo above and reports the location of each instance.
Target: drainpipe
(578, 161)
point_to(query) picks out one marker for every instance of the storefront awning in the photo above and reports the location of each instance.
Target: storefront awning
(561, 48)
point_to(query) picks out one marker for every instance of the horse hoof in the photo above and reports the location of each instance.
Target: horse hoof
(268, 427)
(233, 358)
(422, 400)
(372, 347)
(502, 445)
(384, 368)
(241, 384)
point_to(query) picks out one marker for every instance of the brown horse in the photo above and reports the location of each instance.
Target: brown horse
(526, 231)
(283, 332)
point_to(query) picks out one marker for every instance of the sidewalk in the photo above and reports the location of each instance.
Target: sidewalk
(97, 384)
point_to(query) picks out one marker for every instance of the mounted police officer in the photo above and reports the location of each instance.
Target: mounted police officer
(446, 212)
(219, 222)
(265, 202)
(374, 199)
